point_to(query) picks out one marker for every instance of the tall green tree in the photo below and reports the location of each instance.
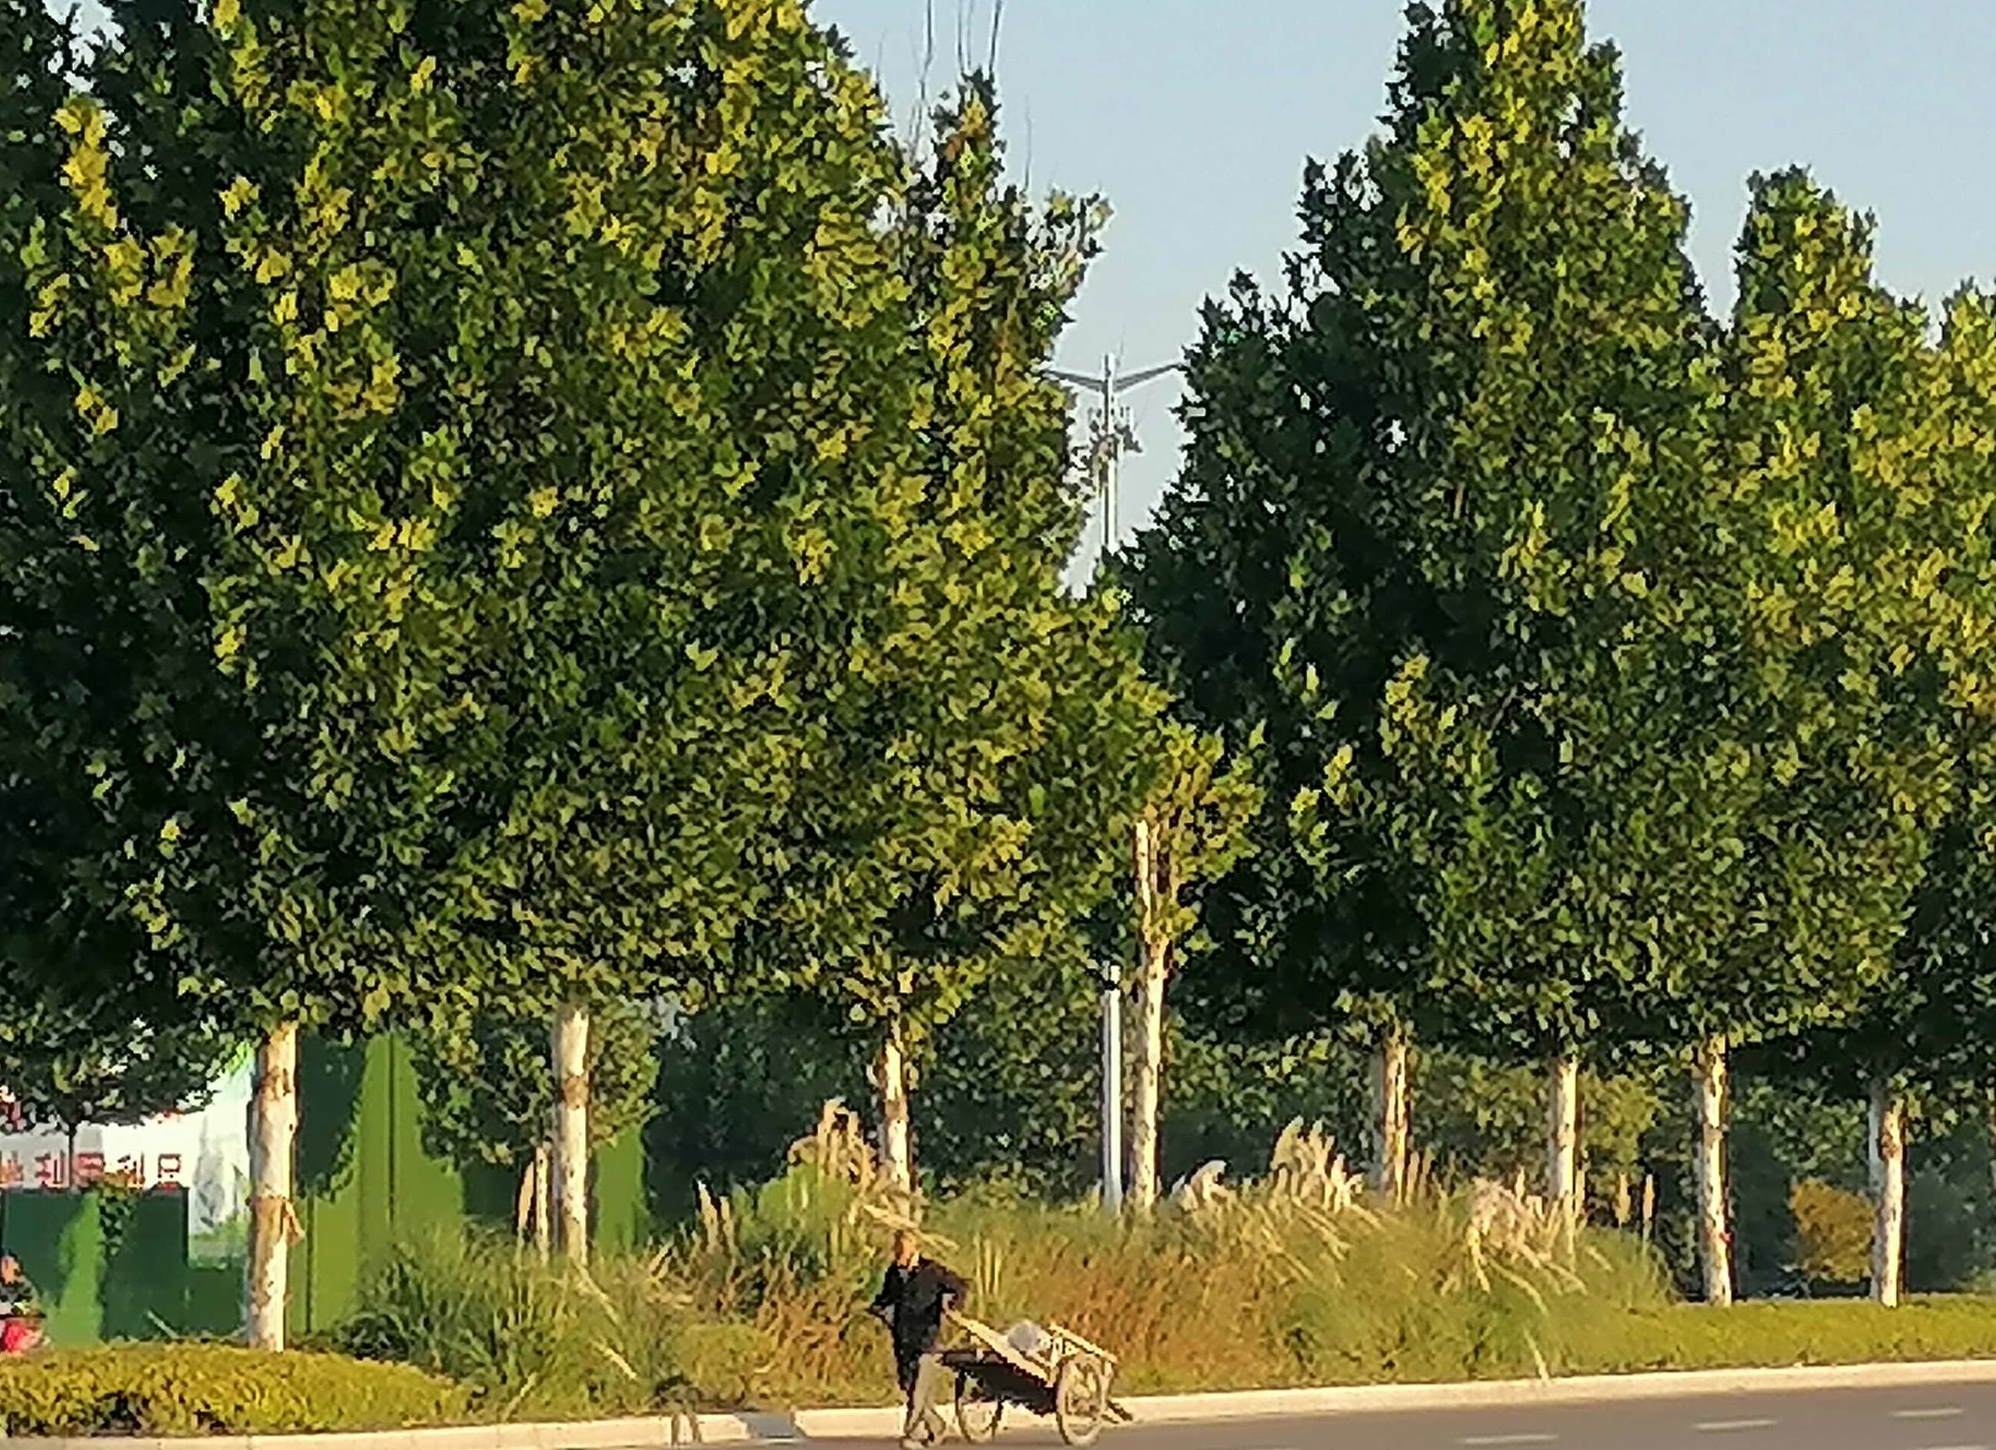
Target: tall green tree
(1430, 471)
(1911, 482)
(1841, 537)
(983, 748)
(1278, 420)
(539, 440)
(1191, 828)
(211, 734)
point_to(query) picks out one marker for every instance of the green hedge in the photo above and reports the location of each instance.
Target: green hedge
(1769, 1335)
(191, 1389)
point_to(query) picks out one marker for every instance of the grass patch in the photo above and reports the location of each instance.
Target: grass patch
(1291, 1281)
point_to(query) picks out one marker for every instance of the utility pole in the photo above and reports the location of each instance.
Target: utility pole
(1112, 1090)
(1110, 434)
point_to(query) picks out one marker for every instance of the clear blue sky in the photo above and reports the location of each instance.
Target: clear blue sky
(1193, 117)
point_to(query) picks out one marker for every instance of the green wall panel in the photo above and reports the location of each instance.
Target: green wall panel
(112, 1269)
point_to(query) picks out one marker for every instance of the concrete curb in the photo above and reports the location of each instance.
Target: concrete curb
(1579, 1389)
(652, 1432)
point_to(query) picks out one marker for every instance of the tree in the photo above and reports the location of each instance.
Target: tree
(71, 1064)
(489, 1099)
(213, 731)
(1789, 830)
(1297, 951)
(479, 672)
(1914, 482)
(1190, 830)
(983, 747)
(1490, 336)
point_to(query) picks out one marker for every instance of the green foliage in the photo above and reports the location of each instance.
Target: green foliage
(534, 1342)
(1475, 1117)
(213, 1389)
(71, 1065)
(963, 816)
(488, 1096)
(1775, 1335)
(211, 765)
(758, 1303)
(1832, 1232)
(92, 638)
(1411, 496)
(1198, 821)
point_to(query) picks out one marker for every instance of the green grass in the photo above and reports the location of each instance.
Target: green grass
(1293, 1281)
(758, 1305)
(1787, 1333)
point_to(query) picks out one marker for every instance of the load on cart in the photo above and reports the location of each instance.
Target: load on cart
(1051, 1371)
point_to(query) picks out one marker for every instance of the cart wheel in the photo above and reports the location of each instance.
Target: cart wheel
(1081, 1399)
(977, 1410)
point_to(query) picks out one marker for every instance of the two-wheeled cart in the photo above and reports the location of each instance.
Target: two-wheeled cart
(1052, 1372)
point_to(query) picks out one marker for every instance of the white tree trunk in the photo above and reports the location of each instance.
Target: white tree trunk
(1145, 1187)
(569, 1047)
(523, 1205)
(1715, 1256)
(543, 1171)
(1563, 1137)
(891, 1077)
(1888, 1194)
(273, 1148)
(1390, 1147)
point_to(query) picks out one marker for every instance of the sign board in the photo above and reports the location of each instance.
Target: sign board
(203, 1153)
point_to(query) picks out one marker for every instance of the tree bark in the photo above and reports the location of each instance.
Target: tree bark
(1715, 1256)
(523, 1204)
(1888, 1194)
(891, 1077)
(1153, 965)
(1563, 1137)
(1145, 1185)
(543, 1171)
(1390, 1147)
(273, 1146)
(569, 1047)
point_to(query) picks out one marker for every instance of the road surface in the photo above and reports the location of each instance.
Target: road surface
(1935, 1417)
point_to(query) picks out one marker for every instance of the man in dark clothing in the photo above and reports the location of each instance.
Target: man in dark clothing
(913, 1298)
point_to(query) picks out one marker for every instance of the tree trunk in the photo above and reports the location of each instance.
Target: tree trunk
(1389, 1113)
(273, 1146)
(544, 1200)
(1888, 1194)
(1715, 1256)
(1563, 1137)
(569, 1047)
(523, 1205)
(1153, 961)
(891, 1077)
(1145, 1187)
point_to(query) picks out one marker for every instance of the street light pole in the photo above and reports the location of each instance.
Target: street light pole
(1112, 1093)
(1110, 434)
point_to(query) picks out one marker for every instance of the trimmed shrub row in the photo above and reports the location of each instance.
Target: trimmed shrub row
(215, 1389)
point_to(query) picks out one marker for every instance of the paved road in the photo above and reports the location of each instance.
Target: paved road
(1939, 1417)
